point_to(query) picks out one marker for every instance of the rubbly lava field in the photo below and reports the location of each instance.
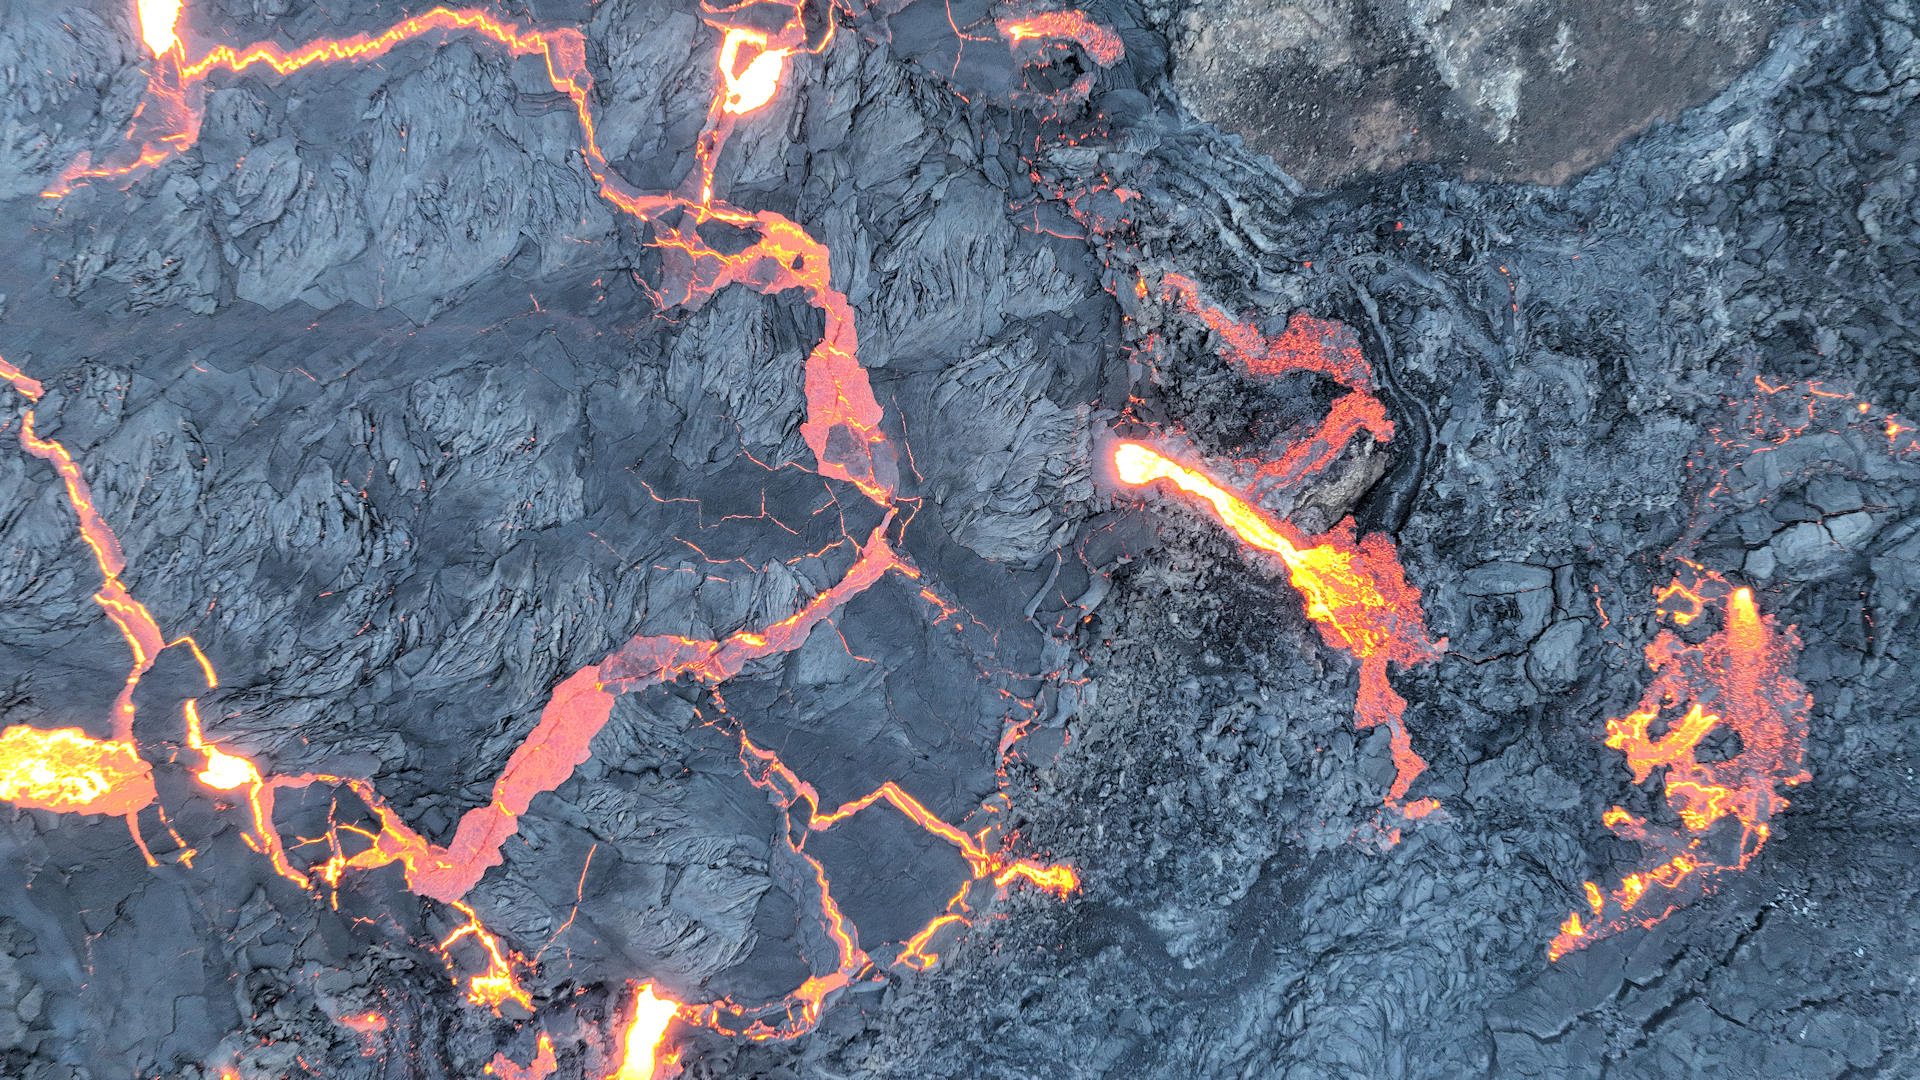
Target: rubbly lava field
(652, 539)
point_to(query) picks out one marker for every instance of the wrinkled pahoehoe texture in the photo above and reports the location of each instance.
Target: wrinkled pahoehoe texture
(401, 420)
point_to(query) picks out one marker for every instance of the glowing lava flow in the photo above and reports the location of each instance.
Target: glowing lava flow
(559, 742)
(1737, 679)
(158, 22)
(750, 87)
(168, 120)
(544, 1064)
(72, 772)
(842, 428)
(1321, 346)
(1357, 594)
(646, 1036)
(1307, 344)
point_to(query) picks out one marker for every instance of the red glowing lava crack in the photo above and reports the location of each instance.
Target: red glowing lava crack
(69, 770)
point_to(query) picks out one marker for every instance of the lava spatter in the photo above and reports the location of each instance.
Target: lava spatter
(1738, 679)
(1102, 44)
(1356, 593)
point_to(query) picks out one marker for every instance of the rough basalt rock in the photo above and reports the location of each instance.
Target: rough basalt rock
(1530, 90)
(387, 409)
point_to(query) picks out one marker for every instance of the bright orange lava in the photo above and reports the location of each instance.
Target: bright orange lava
(28, 388)
(985, 858)
(157, 21)
(646, 1035)
(72, 772)
(1738, 678)
(754, 85)
(1308, 344)
(544, 1063)
(1102, 44)
(498, 984)
(1357, 594)
(841, 427)
(1349, 415)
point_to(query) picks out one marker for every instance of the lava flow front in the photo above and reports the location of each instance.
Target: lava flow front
(842, 427)
(1736, 681)
(1356, 592)
(642, 1049)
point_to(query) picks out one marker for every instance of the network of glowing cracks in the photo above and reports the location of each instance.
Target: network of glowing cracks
(1353, 589)
(70, 770)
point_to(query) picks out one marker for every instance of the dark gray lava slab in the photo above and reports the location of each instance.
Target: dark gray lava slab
(1532, 90)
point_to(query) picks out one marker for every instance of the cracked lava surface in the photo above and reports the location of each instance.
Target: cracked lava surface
(1720, 729)
(69, 771)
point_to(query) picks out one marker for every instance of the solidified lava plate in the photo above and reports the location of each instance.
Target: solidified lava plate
(860, 538)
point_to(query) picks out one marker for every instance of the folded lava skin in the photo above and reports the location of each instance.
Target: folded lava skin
(632, 540)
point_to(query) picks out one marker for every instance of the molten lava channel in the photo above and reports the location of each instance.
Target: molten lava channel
(71, 771)
(1308, 344)
(643, 1046)
(1356, 592)
(1738, 679)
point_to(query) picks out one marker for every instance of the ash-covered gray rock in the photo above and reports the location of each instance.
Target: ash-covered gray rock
(374, 392)
(1523, 90)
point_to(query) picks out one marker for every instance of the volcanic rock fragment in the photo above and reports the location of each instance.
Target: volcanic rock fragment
(1531, 90)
